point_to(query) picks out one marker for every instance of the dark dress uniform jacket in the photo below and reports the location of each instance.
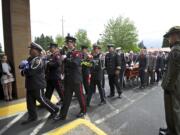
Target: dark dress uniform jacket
(112, 61)
(85, 69)
(151, 61)
(34, 75)
(97, 69)
(54, 67)
(171, 80)
(171, 86)
(72, 67)
(123, 62)
(159, 63)
(142, 59)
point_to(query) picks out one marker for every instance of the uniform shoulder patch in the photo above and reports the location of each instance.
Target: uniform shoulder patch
(36, 62)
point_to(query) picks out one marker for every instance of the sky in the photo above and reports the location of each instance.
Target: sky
(152, 18)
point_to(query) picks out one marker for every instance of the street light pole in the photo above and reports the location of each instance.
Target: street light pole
(62, 26)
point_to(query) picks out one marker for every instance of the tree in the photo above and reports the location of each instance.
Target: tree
(165, 43)
(60, 40)
(121, 32)
(44, 41)
(141, 45)
(82, 39)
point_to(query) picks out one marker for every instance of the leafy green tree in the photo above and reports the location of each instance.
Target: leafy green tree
(82, 39)
(121, 32)
(44, 41)
(60, 40)
(165, 43)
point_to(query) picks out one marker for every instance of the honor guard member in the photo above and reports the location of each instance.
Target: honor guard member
(35, 83)
(112, 64)
(96, 75)
(104, 72)
(72, 80)
(53, 73)
(171, 84)
(123, 62)
(86, 65)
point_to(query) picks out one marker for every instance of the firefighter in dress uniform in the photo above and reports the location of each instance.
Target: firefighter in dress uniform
(35, 83)
(53, 73)
(86, 65)
(72, 80)
(96, 75)
(112, 64)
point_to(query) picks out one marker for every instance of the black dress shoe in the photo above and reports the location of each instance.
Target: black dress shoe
(40, 106)
(29, 120)
(59, 103)
(110, 96)
(164, 131)
(52, 115)
(81, 114)
(119, 96)
(102, 102)
(58, 118)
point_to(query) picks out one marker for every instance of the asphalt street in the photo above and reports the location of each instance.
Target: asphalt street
(139, 112)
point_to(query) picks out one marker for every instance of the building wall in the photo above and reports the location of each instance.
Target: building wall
(17, 36)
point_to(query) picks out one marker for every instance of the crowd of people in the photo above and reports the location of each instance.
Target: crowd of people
(80, 72)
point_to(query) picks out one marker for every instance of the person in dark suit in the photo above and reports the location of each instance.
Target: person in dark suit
(142, 59)
(131, 59)
(86, 65)
(123, 62)
(151, 64)
(159, 66)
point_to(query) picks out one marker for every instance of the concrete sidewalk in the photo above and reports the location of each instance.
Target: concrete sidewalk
(139, 112)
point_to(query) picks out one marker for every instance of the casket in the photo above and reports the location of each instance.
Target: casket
(132, 72)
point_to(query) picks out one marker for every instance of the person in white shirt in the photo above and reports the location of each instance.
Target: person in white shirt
(6, 79)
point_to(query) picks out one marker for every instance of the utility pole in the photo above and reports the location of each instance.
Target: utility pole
(62, 26)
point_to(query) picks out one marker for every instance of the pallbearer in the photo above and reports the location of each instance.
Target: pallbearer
(112, 64)
(96, 75)
(86, 65)
(53, 72)
(72, 80)
(35, 83)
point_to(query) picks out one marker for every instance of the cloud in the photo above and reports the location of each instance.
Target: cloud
(151, 17)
